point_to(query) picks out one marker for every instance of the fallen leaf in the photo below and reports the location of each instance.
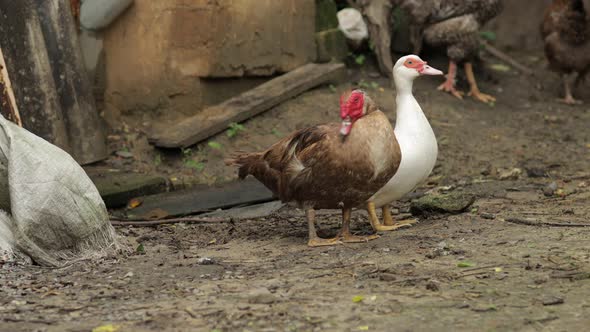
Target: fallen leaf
(465, 264)
(500, 67)
(214, 241)
(140, 248)
(363, 328)
(106, 328)
(374, 297)
(133, 203)
(497, 269)
(357, 298)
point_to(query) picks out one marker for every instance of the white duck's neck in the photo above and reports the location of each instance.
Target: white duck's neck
(410, 119)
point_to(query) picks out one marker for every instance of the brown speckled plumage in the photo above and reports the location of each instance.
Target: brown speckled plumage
(566, 33)
(452, 23)
(316, 168)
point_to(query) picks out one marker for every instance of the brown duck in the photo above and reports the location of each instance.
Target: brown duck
(330, 166)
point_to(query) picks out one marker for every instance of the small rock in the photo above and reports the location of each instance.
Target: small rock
(536, 172)
(486, 170)
(124, 154)
(432, 285)
(385, 276)
(552, 300)
(261, 296)
(483, 307)
(568, 211)
(487, 215)
(128, 275)
(512, 174)
(550, 189)
(442, 203)
(205, 261)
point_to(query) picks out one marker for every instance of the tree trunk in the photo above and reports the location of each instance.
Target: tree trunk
(378, 16)
(51, 85)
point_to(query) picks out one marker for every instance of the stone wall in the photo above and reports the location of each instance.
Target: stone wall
(158, 51)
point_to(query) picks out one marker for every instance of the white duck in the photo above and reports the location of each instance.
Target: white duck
(416, 141)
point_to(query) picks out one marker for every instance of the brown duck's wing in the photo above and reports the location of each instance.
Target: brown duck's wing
(282, 159)
(334, 172)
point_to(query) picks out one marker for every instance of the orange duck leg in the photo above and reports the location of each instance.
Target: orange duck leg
(388, 223)
(345, 234)
(314, 239)
(474, 90)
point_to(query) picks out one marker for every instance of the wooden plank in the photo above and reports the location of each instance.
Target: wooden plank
(246, 105)
(8, 107)
(117, 188)
(202, 199)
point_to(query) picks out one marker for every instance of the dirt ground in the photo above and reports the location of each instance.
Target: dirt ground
(472, 271)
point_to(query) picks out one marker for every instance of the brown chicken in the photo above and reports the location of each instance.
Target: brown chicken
(330, 166)
(454, 24)
(566, 33)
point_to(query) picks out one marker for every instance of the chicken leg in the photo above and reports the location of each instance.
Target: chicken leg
(346, 236)
(377, 226)
(449, 84)
(474, 90)
(569, 98)
(314, 239)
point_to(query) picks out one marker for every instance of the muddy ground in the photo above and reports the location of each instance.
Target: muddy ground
(471, 271)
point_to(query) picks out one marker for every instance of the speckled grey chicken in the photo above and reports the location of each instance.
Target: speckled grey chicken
(454, 24)
(566, 33)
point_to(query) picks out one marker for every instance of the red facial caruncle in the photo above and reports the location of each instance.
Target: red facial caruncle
(415, 63)
(351, 110)
(421, 66)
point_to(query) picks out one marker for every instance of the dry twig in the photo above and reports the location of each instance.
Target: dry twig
(154, 223)
(543, 223)
(506, 58)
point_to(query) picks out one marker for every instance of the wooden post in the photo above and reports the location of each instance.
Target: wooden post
(8, 106)
(50, 84)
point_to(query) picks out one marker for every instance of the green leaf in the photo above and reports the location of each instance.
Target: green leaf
(360, 59)
(158, 159)
(363, 84)
(488, 35)
(140, 248)
(276, 132)
(215, 145)
(332, 88)
(357, 298)
(234, 128)
(465, 264)
(375, 85)
(194, 165)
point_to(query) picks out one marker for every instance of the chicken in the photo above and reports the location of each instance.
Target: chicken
(330, 166)
(566, 34)
(454, 24)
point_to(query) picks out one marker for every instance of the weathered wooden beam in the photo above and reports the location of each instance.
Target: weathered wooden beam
(51, 86)
(8, 107)
(246, 105)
